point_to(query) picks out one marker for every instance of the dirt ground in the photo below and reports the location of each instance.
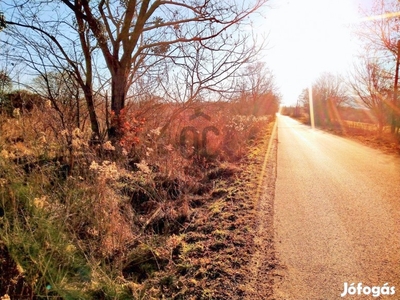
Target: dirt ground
(264, 268)
(231, 238)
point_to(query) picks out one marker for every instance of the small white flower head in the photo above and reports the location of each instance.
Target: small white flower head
(109, 170)
(70, 249)
(42, 138)
(6, 296)
(156, 131)
(77, 133)
(108, 146)
(4, 154)
(94, 166)
(106, 171)
(40, 202)
(75, 144)
(64, 132)
(143, 167)
(3, 182)
(16, 113)
(149, 151)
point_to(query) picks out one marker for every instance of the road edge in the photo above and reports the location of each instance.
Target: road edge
(264, 266)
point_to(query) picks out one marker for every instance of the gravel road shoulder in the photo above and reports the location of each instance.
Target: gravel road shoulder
(264, 269)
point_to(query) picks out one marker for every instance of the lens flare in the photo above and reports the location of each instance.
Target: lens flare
(380, 17)
(311, 103)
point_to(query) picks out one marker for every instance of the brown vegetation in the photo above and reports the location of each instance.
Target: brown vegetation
(349, 125)
(164, 215)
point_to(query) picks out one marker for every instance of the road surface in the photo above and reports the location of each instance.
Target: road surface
(336, 215)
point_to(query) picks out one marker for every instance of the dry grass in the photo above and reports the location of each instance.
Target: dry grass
(368, 135)
(365, 133)
(82, 221)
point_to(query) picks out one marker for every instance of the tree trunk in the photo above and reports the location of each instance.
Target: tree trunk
(78, 109)
(118, 94)
(92, 113)
(380, 127)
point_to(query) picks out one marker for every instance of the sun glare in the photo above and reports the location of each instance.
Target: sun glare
(378, 17)
(307, 38)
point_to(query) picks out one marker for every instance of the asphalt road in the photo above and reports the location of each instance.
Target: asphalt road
(336, 215)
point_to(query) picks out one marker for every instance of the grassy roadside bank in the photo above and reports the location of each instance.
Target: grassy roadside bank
(384, 141)
(118, 236)
(215, 253)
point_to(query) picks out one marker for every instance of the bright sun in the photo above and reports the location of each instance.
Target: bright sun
(307, 38)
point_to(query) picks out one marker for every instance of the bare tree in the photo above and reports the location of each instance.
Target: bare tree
(304, 100)
(382, 32)
(329, 93)
(257, 91)
(64, 94)
(373, 87)
(131, 36)
(206, 70)
(47, 40)
(5, 86)
(2, 21)
(5, 83)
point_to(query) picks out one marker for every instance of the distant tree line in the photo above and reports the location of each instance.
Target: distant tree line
(373, 83)
(22, 100)
(328, 94)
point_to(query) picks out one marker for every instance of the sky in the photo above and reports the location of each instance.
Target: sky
(308, 37)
